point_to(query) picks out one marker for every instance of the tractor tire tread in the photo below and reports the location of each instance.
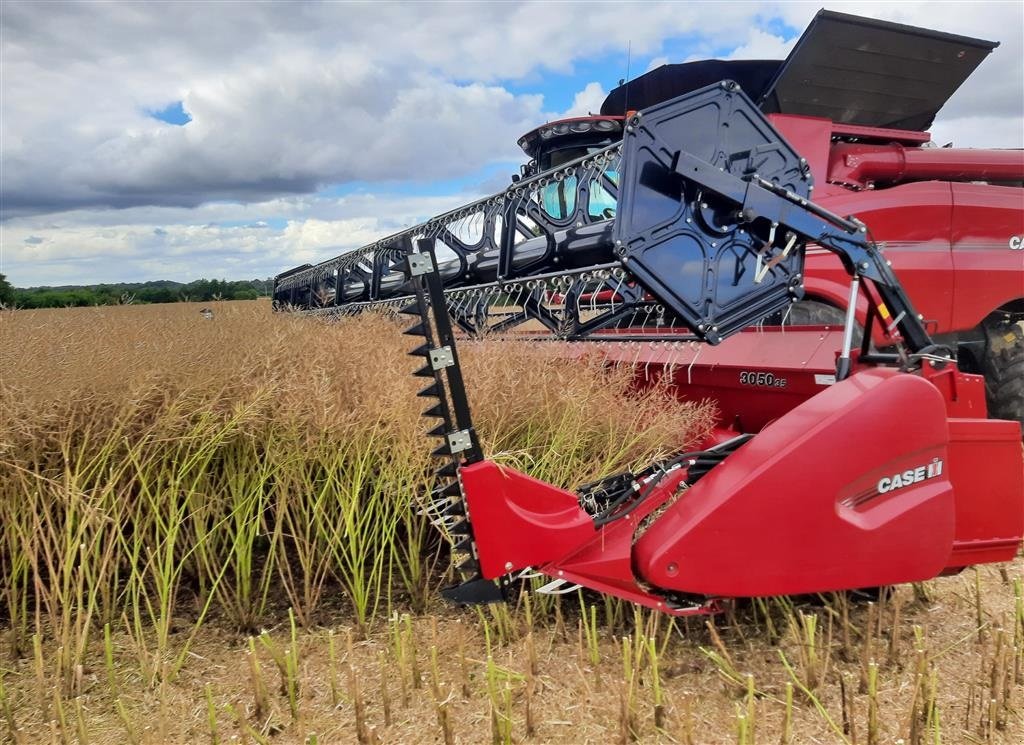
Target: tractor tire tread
(1004, 371)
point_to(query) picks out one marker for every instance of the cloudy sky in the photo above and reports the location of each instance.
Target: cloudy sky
(178, 140)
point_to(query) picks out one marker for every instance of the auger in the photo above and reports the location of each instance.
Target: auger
(845, 456)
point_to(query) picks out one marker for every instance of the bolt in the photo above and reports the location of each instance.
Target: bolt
(508, 566)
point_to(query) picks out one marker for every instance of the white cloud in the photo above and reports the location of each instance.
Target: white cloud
(283, 97)
(150, 243)
(657, 62)
(586, 101)
(289, 98)
(762, 45)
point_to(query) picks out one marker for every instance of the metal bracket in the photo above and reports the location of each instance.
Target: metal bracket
(420, 264)
(441, 358)
(459, 441)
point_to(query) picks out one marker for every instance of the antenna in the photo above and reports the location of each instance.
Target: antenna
(625, 100)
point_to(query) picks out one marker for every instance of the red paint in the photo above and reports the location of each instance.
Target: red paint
(792, 511)
(797, 509)
(987, 273)
(988, 479)
(864, 166)
(519, 521)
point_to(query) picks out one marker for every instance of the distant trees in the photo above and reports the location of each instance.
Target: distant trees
(202, 290)
(6, 291)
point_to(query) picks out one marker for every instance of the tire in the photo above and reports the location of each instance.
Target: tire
(813, 313)
(1003, 368)
(817, 313)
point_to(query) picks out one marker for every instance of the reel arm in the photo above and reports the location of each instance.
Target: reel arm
(764, 208)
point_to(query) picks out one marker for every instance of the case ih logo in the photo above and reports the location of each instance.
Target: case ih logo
(1016, 242)
(911, 476)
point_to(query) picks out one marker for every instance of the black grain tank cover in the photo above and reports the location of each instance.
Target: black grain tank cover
(872, 73)
(846, 68)
(669, 81)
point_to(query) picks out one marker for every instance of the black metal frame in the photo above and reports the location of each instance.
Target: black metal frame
(751, 199)
(460, 444)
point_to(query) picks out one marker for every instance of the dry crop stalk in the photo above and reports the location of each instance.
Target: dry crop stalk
(385, 692)
(787, 721)
(867, 654)
(332, 672)
(261, 702)
(211, 716)
(440, 704)
(356, 694)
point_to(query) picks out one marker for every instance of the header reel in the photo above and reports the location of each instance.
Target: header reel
(713, 213)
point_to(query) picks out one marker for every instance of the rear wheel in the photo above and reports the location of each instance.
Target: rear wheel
(1003, 368)
(814, 313)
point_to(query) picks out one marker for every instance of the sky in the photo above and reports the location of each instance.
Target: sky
(179, 140)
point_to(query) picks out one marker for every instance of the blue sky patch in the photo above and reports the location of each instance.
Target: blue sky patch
(173, 114)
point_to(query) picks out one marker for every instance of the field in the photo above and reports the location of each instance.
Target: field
(210, 532)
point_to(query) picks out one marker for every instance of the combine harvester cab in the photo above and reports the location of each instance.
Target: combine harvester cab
(836, 465)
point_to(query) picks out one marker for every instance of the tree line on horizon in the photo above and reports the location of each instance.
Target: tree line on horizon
(136, 293)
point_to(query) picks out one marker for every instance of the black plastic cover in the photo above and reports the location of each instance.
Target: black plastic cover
(862, 71)
(682, 243)
(670, 81)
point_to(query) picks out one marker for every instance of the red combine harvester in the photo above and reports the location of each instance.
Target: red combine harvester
(684, 238)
